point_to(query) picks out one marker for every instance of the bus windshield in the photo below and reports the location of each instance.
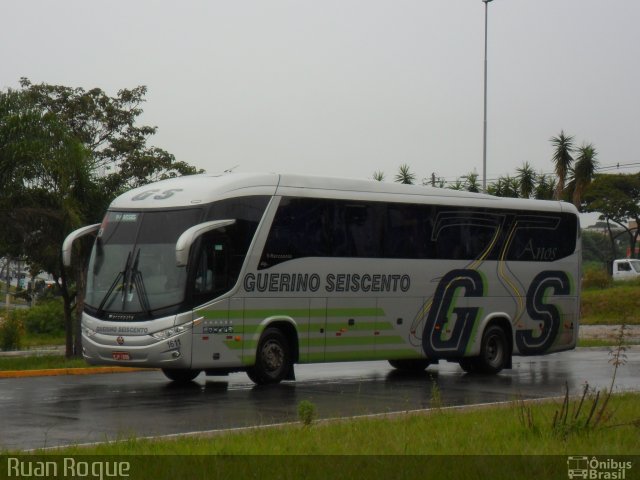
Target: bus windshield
(132, 269)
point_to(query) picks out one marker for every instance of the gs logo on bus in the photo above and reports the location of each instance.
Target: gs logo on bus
(156, 196)
(464, 283)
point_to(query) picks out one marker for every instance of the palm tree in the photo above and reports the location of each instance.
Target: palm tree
(512, 187)
(378, 175)
(505, 186)
(562, 159)
(526, 179)
(584, 171)
(471, 183)
(545, 187)
(404, 175)
(457, 185)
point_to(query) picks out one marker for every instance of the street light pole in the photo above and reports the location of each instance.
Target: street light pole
(484, 133)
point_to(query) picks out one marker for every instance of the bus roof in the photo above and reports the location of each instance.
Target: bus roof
(204, 188)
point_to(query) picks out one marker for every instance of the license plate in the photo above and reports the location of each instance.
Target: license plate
(120, 355)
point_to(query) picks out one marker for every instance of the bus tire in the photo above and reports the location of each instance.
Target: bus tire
(180, 375)
(494, 353)
(410, 364)
(273, 358)
(494, 350)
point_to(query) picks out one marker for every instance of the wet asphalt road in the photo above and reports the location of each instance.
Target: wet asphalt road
(54, 411)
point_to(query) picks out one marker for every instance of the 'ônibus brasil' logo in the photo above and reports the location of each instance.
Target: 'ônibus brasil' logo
(595, 468)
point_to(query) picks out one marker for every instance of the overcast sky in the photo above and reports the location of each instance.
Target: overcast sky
(348, 87)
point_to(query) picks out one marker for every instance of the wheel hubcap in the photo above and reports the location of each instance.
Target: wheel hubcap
(272, 356)
(494, 351)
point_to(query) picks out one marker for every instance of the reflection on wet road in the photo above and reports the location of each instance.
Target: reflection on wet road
(53, 411)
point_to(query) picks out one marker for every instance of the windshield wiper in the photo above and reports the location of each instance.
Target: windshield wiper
(114, 284)
(135, 276)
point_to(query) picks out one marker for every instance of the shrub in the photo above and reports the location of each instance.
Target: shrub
(596, 278)
(46, 318)
(12, 330)
(307, 412)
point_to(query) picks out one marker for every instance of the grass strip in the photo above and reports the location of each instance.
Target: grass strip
(611, 306)
(494, 430)
(40, 362)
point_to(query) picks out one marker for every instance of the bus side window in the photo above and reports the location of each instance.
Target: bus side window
(204, 275)
(299, 230)
(212, 273)
(363, 227)
(407, 232)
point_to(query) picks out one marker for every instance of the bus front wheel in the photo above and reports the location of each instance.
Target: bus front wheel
(180, 375)
(273, 358)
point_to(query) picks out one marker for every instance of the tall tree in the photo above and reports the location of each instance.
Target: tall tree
(405, 175)
(119, 157)
(457, 185)
(617, 199)
(562, 159)
(471, 182)
(526, 179)
(45, 190)
(545, 187)
(505, 186)
(584, 171)
(64, 154)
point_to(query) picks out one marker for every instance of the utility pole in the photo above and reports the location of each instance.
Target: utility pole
(484, 132)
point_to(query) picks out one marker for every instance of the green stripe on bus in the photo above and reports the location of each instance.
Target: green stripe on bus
(363, 355)
(329, 327)
(248, 344)
(332, 327)
(328, 342)
(357, 326)
(347, 341)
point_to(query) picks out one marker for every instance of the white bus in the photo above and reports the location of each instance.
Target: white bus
(256, 273)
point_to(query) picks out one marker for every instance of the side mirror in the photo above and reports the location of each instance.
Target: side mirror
(72, 237)
(183, 245)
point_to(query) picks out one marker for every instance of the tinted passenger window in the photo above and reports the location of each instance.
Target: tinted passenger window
(407, 232)
(307, 227)
(465, 234)
(543, 238)
(355, 231)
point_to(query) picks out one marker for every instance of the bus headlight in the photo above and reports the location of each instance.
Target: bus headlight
(169, 332)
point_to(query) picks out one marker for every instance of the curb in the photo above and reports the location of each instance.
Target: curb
(53, 372)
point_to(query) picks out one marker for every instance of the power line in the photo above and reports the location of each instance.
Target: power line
(619, 166)
(616, 166)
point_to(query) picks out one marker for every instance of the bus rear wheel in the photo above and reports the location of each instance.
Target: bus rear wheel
(410, 364)
(273, 358)
(494, 353)
(180, 375)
